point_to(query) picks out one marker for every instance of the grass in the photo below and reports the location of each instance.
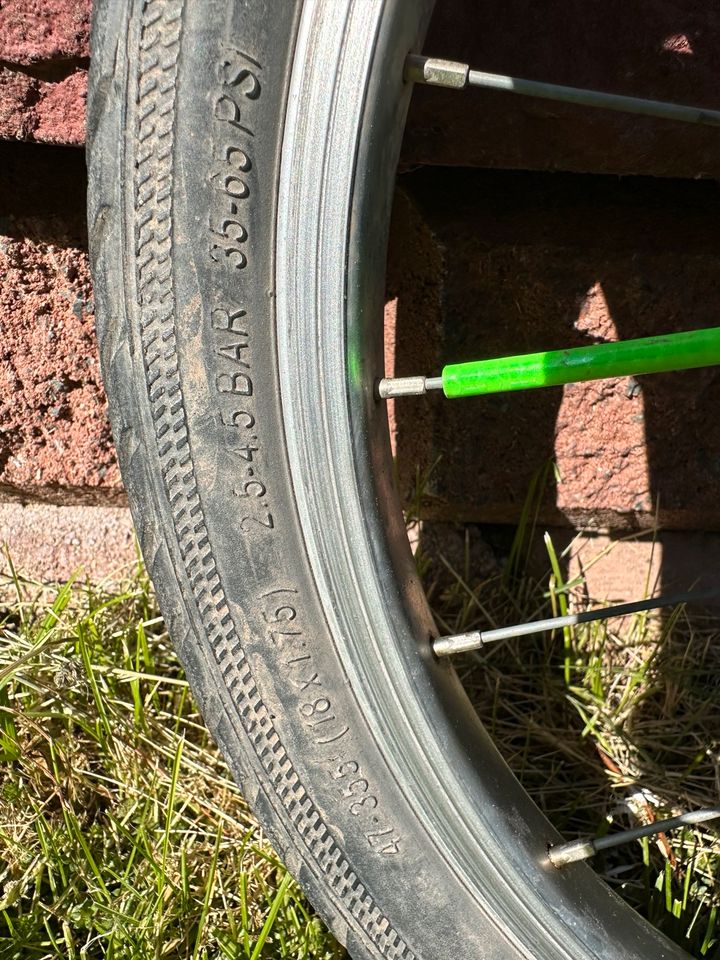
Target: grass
(607, 725)
(122, 834)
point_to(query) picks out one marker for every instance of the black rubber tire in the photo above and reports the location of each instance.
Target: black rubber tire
(186, 119)
(163, 129)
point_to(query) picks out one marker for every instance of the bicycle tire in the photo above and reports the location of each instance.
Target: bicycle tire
(241, 158)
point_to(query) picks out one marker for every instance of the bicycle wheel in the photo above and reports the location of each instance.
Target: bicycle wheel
(241, 165)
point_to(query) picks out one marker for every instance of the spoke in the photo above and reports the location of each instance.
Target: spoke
(565, 853)
(476, 639)
(448, 73)
(674, 351)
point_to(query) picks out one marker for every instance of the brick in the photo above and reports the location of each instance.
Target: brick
(51, 543)
(660, 49)
(413, 319)
(531, 263)
(55, 441)
(44, 51)
(46, 111)
(32, 31)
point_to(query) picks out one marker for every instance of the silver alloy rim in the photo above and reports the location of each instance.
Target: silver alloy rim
(330, 267)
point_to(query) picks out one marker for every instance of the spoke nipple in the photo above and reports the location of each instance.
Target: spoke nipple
(390, 387)
(564, 853)
(458, 643)
(401, 387)
(439, 73)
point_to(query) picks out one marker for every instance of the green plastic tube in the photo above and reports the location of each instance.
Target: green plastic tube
(675, 351)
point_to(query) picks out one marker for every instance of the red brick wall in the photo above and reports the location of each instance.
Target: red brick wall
(495, 265)
(55, 442)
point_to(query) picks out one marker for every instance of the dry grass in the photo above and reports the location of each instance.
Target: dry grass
(607, 725)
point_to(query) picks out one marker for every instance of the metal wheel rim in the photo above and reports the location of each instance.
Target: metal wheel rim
(334, 204)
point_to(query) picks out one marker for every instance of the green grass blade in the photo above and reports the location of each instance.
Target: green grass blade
(277, 903)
